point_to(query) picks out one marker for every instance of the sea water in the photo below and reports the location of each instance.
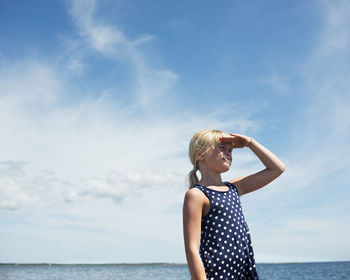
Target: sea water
(297, 271)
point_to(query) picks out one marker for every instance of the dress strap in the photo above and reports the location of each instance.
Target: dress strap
(231, 186)
(198, 186)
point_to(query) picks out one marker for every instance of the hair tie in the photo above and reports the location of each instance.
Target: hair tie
(195, 169)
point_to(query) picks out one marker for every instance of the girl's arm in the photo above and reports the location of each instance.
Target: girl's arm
(274, 166)
(192, 215)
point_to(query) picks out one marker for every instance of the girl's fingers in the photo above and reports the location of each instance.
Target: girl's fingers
(233, 134)
(226, 138)
(239, 136)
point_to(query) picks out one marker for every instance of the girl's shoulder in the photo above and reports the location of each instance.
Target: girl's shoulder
(194, 194)
(193, 191)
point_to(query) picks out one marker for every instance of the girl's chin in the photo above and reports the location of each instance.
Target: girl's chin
(224, 169)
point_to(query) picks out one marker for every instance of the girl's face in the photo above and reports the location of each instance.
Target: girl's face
(219, 158)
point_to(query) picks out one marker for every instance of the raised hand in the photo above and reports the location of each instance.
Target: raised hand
(237, 140)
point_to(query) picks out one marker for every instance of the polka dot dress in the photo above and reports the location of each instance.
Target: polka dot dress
(225, 246)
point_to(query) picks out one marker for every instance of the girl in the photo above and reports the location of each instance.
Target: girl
(216, 235)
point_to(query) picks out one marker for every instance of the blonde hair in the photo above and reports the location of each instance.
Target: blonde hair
(201, 142)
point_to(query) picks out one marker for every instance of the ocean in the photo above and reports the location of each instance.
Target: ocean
(288, 271)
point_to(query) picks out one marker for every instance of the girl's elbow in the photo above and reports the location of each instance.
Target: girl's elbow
(280, 168)
(191, 250)
(283, 167)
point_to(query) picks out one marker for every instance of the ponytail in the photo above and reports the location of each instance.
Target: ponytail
(192, 177)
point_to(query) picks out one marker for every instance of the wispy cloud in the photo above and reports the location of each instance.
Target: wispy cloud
(149, 83)
(100, 36)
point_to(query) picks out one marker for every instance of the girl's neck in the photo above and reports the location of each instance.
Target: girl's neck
(210, 179)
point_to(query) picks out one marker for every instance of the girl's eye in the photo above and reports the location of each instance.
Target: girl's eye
(223, 148)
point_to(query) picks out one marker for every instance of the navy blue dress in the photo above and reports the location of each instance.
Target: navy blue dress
(225, 245)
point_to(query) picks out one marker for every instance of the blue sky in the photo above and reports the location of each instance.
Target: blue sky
(99, 99)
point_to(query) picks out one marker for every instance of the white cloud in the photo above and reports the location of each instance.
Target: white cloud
(88, 147)
(25, 188)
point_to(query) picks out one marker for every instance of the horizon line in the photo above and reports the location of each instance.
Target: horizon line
(149, 263)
